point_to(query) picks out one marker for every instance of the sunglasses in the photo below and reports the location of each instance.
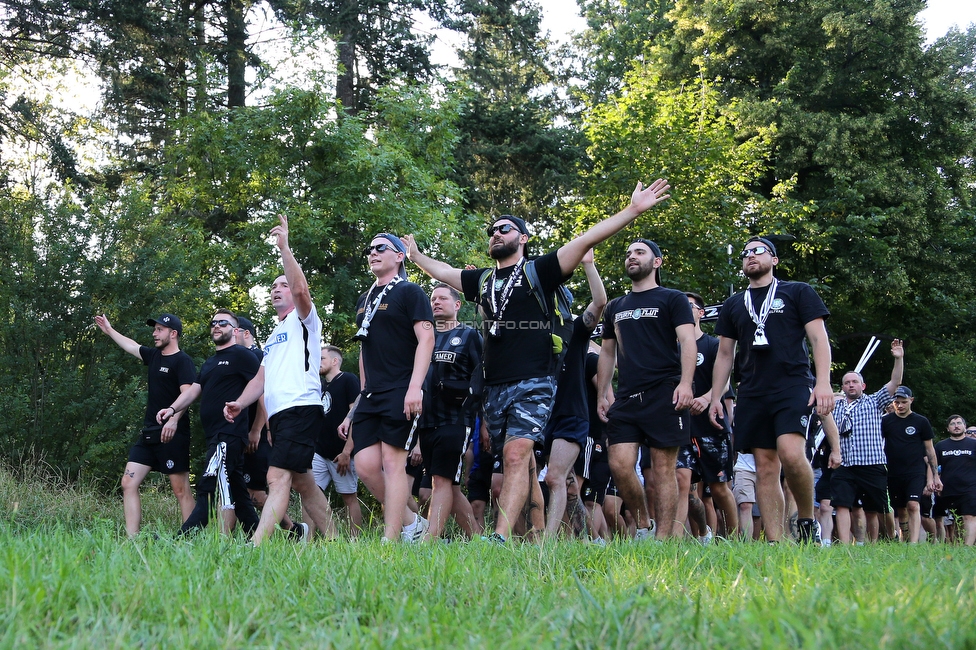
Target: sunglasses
(379, 248)
(504, 229)
(758, 250)
(221, 323)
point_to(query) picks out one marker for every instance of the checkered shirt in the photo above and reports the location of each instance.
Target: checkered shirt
(865, 445)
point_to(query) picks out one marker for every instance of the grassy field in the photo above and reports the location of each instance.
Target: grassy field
(69, 579)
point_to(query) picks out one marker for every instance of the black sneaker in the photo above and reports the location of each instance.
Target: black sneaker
(301, 532)
(808, 532)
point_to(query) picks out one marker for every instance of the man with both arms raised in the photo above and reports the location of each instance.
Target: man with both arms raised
(519, 361)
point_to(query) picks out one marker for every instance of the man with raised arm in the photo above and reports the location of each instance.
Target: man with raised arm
(289, 380)
(520, 359)
(171, 372)
(863, 474)
(770, 322)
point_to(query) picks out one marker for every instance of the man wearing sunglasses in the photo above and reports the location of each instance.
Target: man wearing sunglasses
(222, 378)
(764, 328)
(396, 338)
(519, 358)
(289, 380)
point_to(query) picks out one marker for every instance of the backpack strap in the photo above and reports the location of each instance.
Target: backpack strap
(532, 275)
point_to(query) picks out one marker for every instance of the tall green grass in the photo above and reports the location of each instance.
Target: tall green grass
(75, 582)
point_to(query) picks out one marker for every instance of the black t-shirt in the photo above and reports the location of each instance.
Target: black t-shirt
(252, 410)
(523, 347)
(704, 364)
(166, 374)
(643, 323)
(457, 355)
(905, 443)
(596, 424)
(571, 383)
(786, 362)
(337, 395)
(957, 466)
(222, 379)
(388, 351)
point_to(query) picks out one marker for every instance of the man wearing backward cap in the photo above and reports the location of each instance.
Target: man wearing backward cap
(641, 335)
(519, 356)
(769, 322)
(396, 338)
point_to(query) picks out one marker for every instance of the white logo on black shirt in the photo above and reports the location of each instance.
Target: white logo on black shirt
(326, 402)
(456, 340)
(910, 431)
(958, 452)
(164, 369)
(700, 360)
(445, 356)
(223, 363)
(636, 314)
(170, 464)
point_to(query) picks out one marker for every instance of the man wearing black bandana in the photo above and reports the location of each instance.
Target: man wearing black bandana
(769, 322)
(396, 337)
(518, 358)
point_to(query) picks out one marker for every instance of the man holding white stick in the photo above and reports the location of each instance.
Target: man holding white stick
(863, 472)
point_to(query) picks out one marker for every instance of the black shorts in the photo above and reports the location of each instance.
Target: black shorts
(255, 466)
(926, 505)
(293, 434)
(822, 488)
(171, 457)
(479, 480)
(416, 474)
(443, 450)
(869, 483)
(902, 489)
(761, 419)
(688, 459)
(714, 456)
(379, 418)
(567, 427)
(960, 504)
(585, 458)
(595, 487)
(649, 417)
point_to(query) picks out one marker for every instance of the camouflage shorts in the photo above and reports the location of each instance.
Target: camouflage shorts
(519, 409)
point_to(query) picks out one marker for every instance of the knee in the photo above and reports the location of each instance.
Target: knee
(913, 508)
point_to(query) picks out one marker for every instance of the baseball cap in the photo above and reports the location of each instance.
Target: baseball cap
(398, 245)
(519, 223)
(245, 324)
(766, 242)
(903, 391)
(167, 320)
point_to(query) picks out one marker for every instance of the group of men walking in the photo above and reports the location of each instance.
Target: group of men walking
(527, 381)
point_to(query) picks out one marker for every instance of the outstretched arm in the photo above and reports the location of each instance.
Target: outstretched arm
(293, 271)
(898, 370)
(440, 271)
(598, 301)
(644, 198)
(123, 342)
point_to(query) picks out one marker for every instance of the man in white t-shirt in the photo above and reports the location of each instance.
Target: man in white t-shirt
(289, 380)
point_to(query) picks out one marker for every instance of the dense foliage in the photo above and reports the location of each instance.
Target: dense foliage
(828, 124)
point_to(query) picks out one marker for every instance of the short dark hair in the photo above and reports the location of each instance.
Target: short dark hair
(699, 301)
(956, 417)
(233, 316)
(442, 285)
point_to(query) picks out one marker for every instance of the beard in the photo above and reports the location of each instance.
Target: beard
(639, 273)
(223, 337)
(504, 251)
(758, 271)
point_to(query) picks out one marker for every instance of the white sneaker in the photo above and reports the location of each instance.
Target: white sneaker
(417, 533)
(302, 532)
(707, 538)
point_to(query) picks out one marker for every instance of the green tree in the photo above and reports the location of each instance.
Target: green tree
(876, 129)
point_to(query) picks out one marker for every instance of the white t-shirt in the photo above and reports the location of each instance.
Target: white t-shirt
(745, 462)
(291, 363)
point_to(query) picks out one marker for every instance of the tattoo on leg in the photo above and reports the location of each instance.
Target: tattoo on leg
(129, 473)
